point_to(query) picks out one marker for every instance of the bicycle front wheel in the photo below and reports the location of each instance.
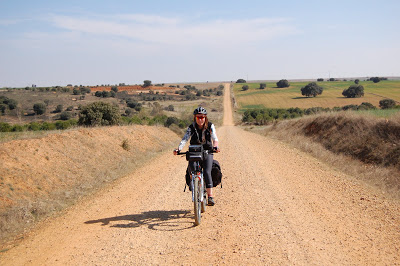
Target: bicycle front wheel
(197, 201)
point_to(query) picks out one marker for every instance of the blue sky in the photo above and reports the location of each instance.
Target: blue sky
(51, 43)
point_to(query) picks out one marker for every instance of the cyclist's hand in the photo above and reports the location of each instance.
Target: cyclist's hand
(176, 152)
(216, 149)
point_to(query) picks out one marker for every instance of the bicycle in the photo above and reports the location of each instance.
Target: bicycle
(196, 154)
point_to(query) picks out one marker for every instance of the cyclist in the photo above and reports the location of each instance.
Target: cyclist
(201, 131)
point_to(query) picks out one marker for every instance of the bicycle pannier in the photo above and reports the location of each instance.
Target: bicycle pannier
(216, 173)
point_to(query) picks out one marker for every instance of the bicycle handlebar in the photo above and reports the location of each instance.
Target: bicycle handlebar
(207, 151)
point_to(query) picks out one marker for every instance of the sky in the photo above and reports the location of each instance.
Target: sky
(94, 42)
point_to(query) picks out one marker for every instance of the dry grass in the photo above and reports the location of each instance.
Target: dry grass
(43, 175)
(366, 147)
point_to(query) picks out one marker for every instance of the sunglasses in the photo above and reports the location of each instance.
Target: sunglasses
(200, 116)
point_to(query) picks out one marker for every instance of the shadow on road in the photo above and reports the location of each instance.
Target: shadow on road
(156, 220)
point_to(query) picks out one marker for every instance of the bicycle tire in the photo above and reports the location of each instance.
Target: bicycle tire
(197, 201)
(204, 202)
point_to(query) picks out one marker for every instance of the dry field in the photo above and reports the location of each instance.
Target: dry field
(273, 97)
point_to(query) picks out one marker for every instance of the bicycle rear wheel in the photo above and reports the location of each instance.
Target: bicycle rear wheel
(197, 201)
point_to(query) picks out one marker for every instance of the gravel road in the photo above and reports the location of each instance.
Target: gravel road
(278, 205)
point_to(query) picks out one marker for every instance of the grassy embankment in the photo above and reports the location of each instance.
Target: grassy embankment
(365, 144)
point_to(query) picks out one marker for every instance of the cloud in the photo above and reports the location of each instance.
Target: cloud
(177, 31)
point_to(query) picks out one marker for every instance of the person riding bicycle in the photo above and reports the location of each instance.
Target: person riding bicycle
(203, 132)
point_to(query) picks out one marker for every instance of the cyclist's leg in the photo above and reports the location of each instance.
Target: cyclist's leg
(207, 167)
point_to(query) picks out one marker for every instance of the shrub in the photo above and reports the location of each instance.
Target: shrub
(332, 79)
(114, 89)
(241, 81)
(320, 79)
(39, 108)
(354, 91)
(366, 106)
(263, 86)
(34, 126)
(65, 116)
(171, 120)
(98, 94)
(387, 104)
(356, 81)
(5, 127)
(105, 94)
(76, 92)
(99, 114)
(3, 108)
(59, 108)
(283, 83)
(70, 108)
(171, 108)
(245, 87)
(312, 89)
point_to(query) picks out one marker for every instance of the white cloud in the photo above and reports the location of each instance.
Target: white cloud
(156, 29)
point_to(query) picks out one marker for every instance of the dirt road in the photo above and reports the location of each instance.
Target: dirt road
(277, 206)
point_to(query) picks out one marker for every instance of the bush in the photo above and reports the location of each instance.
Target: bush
(3, 108)
(39, 108)
(320, 79)
(245, 87)
(99, 114)
(283, 83)
(171, 120)
(114, 89)
(241, 81)
(354, 91)
(171, 108)
(98, 94)
(263, 86)
(387, 104)
(65, 116)
(366, 106)
(356, 81)
(59, 108)
(312, 89)
(5, 127)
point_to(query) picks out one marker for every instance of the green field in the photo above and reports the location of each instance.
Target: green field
(273, 97)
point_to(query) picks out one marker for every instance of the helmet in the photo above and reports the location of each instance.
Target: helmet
(200, 110)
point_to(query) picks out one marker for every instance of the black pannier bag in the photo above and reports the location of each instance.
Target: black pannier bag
(216, 174)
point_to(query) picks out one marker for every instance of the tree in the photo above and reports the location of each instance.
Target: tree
(312, 89)
(354, 91)
(332, 79)
(320, 79)
(147, 83)
(241, 81)
(39, 108)
(115, 88)
(263, 86)
(245, 87)
(357, 81)
(99, 114)
(387, 103)
(375, 79)
(283, 83)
